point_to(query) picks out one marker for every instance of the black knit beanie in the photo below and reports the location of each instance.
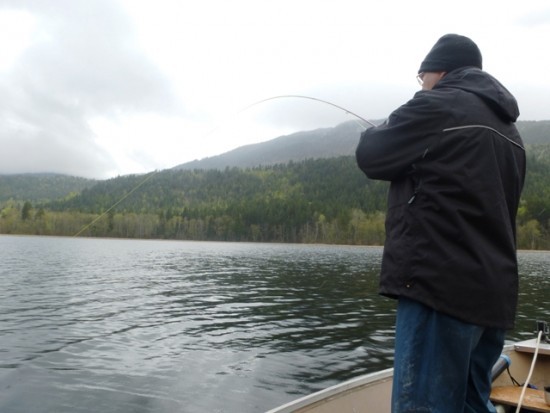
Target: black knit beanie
(451, 52)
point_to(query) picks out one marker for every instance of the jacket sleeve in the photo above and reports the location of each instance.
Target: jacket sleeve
(389, 151)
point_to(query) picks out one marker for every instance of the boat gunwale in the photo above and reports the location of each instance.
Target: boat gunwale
(334, 391)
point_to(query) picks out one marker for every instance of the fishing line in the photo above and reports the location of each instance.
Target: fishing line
(149, 176)
(85, 227)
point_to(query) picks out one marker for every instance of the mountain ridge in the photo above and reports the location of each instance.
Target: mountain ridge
(313, 144)
(340, 140)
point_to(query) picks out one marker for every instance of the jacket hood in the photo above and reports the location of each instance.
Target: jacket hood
(489, 89)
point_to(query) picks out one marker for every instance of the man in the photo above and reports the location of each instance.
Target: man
(456, 164)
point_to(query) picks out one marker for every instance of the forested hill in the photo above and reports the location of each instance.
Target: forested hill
(327, 201)
(534, 132)
(41, 187)
(323, 143)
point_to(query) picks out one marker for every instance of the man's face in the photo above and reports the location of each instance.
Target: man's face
(429, 79)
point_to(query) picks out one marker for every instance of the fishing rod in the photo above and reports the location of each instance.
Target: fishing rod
(310, 98)
(150, 175)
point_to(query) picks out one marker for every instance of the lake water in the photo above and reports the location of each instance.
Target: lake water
(90, 325)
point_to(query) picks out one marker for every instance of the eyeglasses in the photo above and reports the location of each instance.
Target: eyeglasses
(420, 78)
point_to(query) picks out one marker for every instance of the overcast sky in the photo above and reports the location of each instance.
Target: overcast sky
(99, 88)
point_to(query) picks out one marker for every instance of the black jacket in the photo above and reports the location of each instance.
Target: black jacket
(456, 164)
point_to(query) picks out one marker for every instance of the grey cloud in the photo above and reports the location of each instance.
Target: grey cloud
(535, 18)
(85, 64)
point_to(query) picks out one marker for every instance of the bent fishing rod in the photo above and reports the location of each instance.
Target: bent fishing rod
(310, 98)
(150, 175)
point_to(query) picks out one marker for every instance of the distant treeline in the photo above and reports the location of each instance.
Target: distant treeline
(311, 201)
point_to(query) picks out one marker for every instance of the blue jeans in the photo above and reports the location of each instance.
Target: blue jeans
(442, 364)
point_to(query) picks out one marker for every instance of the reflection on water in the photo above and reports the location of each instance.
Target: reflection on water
(149, 326)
